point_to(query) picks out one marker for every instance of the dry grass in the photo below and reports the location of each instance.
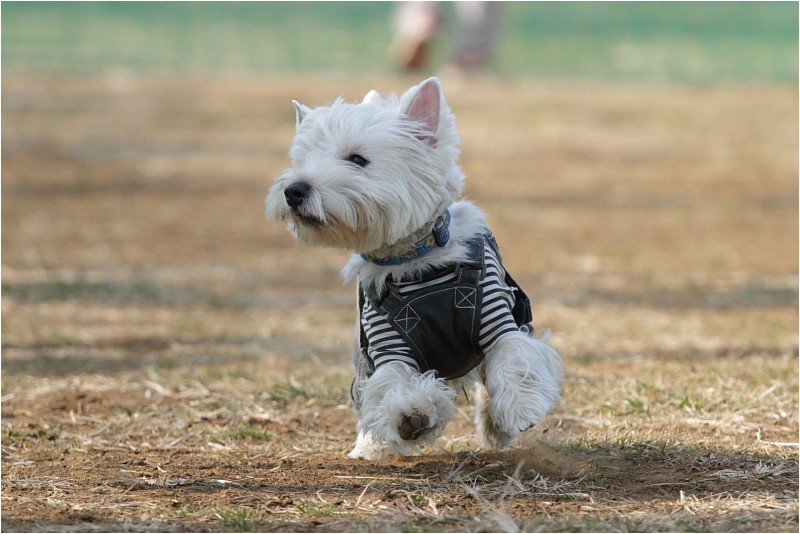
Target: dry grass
(171, 362)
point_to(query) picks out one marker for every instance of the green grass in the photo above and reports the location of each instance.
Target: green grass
(697, 42)
(239, 519)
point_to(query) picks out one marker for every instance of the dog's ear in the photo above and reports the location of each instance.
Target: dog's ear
(302, 111)
(424, 107)
(372, 96)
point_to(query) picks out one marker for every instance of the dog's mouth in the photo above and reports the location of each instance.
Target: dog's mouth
(307, 220)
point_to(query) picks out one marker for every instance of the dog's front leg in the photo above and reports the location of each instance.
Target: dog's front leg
(523, 380)
(401, 409)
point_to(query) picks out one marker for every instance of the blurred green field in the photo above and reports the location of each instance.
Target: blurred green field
(686, 42)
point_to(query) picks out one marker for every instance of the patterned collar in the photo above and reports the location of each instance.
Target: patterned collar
(439, 236)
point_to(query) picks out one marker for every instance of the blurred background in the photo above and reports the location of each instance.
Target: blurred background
(697, 42)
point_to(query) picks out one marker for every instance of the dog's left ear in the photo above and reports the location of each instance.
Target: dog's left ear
(302, 111)
(424, 107)
(372, 96)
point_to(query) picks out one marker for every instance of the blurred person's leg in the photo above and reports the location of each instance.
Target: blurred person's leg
(415, 25)
(479, 30)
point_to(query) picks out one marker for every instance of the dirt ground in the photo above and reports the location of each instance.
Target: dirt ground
(173, 362)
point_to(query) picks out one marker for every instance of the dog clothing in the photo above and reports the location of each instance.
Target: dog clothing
(445, 321)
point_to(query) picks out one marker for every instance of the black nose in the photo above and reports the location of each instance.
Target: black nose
(296, 193)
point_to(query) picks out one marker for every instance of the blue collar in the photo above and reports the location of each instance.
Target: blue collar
(439, 236)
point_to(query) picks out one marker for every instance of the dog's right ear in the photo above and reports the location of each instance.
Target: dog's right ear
(302, 111)
(424, 107)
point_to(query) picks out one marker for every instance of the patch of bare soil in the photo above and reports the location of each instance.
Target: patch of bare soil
(173, 362)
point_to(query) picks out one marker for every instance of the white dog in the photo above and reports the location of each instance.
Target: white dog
(437, 311)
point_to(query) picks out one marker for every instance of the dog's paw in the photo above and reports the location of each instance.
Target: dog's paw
(403, 409)
(413, 425)
(499, 438)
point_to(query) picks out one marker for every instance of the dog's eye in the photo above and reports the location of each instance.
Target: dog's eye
(357, 159)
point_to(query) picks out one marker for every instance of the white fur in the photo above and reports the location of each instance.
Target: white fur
(412, 175)
(467, 221)
(406, 185)
(523, 377)
(395, 390)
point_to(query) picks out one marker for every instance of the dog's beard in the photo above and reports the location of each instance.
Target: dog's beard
(312, 231)
(329, 218)
(344, 214)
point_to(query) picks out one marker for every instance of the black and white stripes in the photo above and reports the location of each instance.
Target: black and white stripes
(386, 345)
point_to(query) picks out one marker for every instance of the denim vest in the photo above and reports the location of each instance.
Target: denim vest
(441, 323)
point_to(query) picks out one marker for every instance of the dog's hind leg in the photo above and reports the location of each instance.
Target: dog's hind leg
(473, 385)
(489, 436)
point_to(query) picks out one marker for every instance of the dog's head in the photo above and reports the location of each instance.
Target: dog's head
(366, 175)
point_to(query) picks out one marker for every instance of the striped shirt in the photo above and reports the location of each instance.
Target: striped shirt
(387, 345)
